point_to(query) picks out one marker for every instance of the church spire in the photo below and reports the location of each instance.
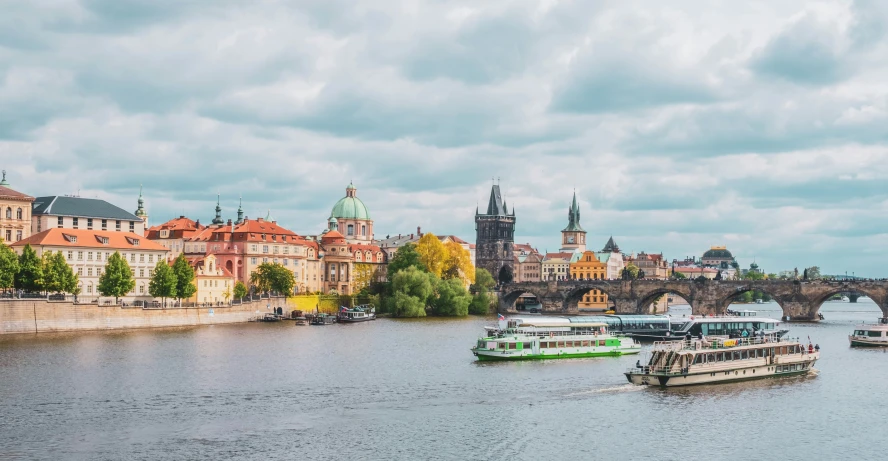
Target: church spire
(240, 210)
(573, 216)
(140, 210)
(218, 218)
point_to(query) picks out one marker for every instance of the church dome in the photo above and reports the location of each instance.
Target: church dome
(350, 206)
(718, 253)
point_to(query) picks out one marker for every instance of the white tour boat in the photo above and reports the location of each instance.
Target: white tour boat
(685, 363)
(875, 335)
(727, 325)
(550, 338)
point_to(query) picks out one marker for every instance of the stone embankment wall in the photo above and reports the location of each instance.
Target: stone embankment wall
(42, 316)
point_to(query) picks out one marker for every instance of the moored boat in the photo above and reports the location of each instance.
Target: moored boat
(322, 319)
(550, 338)
(685, 363)
(875, 335)
(362, 313)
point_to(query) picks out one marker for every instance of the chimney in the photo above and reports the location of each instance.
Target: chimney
(411, 236)
(198, 222)
(181, 216)
(419, 231)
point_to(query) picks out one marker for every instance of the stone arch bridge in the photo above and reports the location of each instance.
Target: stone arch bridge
(800, 300)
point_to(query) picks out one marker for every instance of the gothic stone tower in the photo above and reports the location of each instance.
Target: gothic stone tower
(573, 237)
(495, 238)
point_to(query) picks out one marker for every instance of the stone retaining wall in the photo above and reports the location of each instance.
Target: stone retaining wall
(39, 316)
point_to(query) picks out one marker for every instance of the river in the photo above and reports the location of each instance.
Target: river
(411, 389)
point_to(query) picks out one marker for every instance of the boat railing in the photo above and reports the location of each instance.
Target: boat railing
(719, 343)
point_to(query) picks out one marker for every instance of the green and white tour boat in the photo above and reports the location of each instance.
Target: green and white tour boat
(870, 335)
(550, 338)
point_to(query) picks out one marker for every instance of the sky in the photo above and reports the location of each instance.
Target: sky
(759, 125)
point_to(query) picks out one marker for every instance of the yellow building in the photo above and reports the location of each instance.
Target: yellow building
(215, 284)
(15, 213)
(587, 266)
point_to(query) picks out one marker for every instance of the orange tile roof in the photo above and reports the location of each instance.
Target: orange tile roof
(11, 194)
(261, 226)
(83, 238)
(332, 235)
(566, 256)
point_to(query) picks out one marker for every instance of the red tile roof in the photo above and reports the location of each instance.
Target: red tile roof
(82, 238)
(10, 194)
(566, 256)
(332, 236)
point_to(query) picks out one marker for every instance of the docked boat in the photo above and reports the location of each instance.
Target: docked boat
(356, 314)
(875, 335)
(742, 322)
(322, 319)
(685, 363)
(550, 338)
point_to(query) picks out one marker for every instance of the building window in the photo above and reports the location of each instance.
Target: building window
(141, 289)
(351, 229)
(264, 260)
(132, 226)
(89, 223)
(141, 257)
(89, 288)
(80, 256)
(80, 271)
(89, 272)
(70, 255)
(265, 248)
(18, 214)
(18, 235)
(117, 226)
(89, 256)
(363, 230)
(141, 272)
(286, 262)
(150, 258)
(253, 260)
(104, 224)
(75, 222)
(132, 257)
(9, 213)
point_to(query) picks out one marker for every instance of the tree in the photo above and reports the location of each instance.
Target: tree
(240, 290)
(9, 266)
(362, 275)
(483, 280)
(185, 287)
(679, 275)
(58, 277)
(273, 277)
(754, 275)
(30, 274)
(814, 273)
(458, 263)
(452, 299)
(412, 288)
(117, 279)
(431, 253)
(163, 282)
(633, 271)
(405, 257)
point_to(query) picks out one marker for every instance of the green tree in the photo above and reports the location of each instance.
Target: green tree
(480, 304)
(58, 277)
(185, 287)
(483, 280)
(452, 299)
(814, 273)
(273, 277)
(678, 275)
(240, 290)
(163, 282)
(117, 279)
(405, 257)
(412, 288)
(9, 266)
(754, 275)
(30, 274)
(633, 270)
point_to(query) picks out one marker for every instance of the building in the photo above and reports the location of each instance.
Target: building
(15, 213)
(346, 268)
(612, 258)
(653, 265)
(87, 252)
(692, 272)
(351, 218)
(587, 266)
(573, 237)
(173, 233)
(495, 238)
(528, 263)
(391, 244)
(215, 284)
(63, 212)
(718, 257)
(556, 266)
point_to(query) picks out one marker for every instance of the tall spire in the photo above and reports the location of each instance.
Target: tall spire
(495, 204)
(240, 210)
(140, 210)
(218, 218)
(573, 216)
(3, 181)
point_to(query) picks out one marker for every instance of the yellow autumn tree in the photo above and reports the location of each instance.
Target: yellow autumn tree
(432, 253)
(458, 263)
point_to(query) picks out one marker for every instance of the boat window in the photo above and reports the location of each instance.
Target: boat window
(601, 343)
(736, 355)
(745, 354)
(760, 353)
(560, 343)
(874, 334)
(527, 345)
(710, 358)
(698, 359)
(512, 345)
(585, 343)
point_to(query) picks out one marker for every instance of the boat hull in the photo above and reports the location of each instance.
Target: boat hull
(511, 355)
(718, 377)
(860, 342)
(357, 320)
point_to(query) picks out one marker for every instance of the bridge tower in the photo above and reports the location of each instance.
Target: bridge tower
(495, 238)
(573, 237)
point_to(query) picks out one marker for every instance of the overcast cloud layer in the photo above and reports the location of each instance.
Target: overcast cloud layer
(760, 125)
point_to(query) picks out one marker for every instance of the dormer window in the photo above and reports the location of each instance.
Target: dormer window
(102, 240)
(70, 238)
(133, 241)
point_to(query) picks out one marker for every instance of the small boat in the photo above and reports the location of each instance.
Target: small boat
(685, 363)
(875, 335)
(362, 313)
(550, 338)
(301, 321)
(269, 318)
(322, 319)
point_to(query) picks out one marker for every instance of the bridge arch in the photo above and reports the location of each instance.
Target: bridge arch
(575, 293)
(510, 294)
(816, 302)
(726, 300)
(646, 300)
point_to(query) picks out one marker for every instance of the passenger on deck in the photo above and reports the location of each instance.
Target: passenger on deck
(745, 333)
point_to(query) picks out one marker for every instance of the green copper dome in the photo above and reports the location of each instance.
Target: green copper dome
(350, 206)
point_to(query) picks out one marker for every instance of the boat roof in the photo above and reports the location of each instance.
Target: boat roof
(872, 326)
(553, 322)
(729, 318)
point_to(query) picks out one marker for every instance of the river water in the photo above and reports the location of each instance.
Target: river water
(411, 389)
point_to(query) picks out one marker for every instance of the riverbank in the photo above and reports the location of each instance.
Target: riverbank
(21, 316)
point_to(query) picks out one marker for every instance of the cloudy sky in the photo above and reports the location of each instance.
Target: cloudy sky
(760, 125)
